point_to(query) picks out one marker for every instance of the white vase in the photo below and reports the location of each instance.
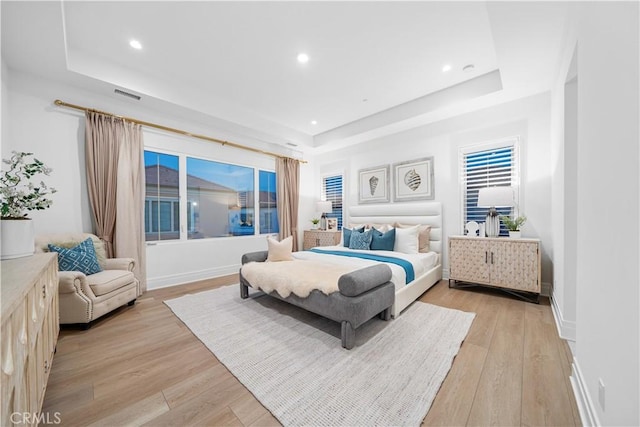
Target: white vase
(514, 234)
(18, 237)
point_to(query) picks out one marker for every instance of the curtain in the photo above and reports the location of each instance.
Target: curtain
(115, 180)
(287, 195)
(102, 135)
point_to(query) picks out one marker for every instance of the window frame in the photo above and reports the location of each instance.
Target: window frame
(183, 195)
(323, 195)
(512, 142)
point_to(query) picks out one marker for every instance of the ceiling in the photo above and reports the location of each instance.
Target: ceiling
(374, 67)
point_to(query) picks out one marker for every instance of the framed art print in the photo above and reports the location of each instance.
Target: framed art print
(373, 185)
(332, 224)
(413, 180)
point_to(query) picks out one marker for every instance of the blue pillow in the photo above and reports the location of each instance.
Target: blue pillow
(360, 240)
(383, 241)
(346, 235)
(80, 258)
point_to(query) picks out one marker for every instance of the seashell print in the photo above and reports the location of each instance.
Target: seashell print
(373, 183)
(412, 179)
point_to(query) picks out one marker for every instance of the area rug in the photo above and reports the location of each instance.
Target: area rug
(293, 363)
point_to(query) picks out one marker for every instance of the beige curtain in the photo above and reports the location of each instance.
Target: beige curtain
(115, 179)
(102, 138)
(288, 194)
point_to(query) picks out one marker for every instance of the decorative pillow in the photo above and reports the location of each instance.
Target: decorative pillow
(424, 237)
(357, 226)
(280, 251)
(80, 258)
(383, 241)
(382, 227)
(360, 240)
(406, 240)
(346, 235)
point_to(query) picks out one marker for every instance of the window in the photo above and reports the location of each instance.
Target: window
(219, 200)
(221, 197)
(267, 202)
(332, 192)
(162, 196)
(488, 166)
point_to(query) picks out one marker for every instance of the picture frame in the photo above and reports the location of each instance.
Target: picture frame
(332, 224)
(373, 185)
(413, 180)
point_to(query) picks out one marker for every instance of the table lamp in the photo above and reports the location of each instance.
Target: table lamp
(492, 197)
(324, 207)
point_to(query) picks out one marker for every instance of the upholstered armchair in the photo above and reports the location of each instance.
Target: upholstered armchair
(84, 298)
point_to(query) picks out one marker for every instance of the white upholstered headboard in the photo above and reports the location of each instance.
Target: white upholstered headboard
(415, 213)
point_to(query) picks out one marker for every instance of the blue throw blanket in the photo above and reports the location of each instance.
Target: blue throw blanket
(406, 265)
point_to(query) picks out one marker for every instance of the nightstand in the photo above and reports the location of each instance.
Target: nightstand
(313, 238)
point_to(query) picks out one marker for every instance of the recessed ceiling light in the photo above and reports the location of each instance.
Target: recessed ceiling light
(446, 68)
(135, 44)
(303, 58)
(468, 68)
(314, 122)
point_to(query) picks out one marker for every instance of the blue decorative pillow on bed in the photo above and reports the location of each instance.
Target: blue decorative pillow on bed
(360, 240)
(80, 258)
(383, 241)
(346, 235)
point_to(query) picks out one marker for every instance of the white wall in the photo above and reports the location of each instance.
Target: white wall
(564, 146)
(608, 246)
(32, 123)
(527, 118)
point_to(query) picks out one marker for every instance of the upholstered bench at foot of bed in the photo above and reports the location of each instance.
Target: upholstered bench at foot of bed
(363, 294)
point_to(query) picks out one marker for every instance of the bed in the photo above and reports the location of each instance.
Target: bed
(410, 214)
(364, 288)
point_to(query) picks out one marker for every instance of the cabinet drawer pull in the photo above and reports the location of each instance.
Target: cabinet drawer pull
(486, 257)
(491, 257)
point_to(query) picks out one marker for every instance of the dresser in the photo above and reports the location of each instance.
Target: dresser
(313, 238)
(29, 333)
(510, 264)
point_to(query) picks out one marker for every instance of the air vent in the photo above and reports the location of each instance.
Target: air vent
(130, 95)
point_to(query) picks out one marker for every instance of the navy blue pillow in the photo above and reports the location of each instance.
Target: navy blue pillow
(346, 235)
(359, 240)
(80, 258)
(383, 241)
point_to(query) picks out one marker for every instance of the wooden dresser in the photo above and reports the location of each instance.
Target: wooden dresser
(313, 238)
(510, 264)
(29, 333)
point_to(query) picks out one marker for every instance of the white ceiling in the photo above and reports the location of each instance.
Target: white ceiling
(374, 68)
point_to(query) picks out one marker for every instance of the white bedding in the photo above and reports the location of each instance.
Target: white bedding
(421, 262)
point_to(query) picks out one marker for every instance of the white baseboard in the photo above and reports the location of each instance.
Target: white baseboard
(566, 328)
(588, 414)
(192, 276)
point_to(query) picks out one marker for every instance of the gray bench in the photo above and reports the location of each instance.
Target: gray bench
(363, 294)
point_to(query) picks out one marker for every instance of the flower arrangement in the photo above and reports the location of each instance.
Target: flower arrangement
(17, 193)
(513, 224)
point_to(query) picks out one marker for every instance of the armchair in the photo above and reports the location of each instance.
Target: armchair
(84, 298)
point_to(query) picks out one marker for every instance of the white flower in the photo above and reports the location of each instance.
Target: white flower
(18, 197)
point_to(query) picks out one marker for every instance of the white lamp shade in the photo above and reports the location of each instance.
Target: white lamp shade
(324, 207)
(491, 197)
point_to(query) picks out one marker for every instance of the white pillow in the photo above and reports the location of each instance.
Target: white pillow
(406, 240)
(280, 251)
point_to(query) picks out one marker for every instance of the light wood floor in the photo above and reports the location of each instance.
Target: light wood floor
(141, 365)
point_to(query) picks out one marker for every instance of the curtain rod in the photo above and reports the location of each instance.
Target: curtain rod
(178, 131)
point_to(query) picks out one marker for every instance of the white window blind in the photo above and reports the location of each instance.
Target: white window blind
(487, 166)
(332, 192)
